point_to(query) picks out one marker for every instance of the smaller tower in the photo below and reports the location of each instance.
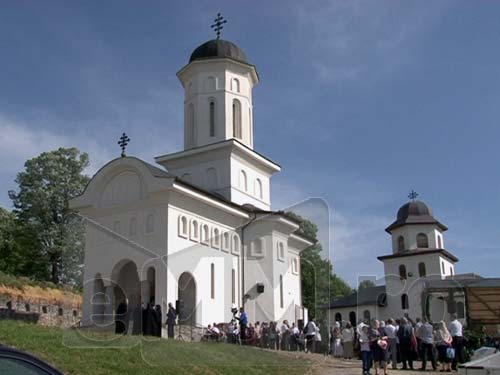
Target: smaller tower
(418, 254)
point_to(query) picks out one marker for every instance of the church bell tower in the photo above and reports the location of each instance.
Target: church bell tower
(218, 151)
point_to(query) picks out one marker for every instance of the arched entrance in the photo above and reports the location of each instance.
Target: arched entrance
(128, 289)
(187, 299)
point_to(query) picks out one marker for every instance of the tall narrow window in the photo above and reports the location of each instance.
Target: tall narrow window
(281, 292)
(402, 272)
(237, 132)
(401, 243)
(460, 310)
(212, 118)
(422, 272)
(235, 85)
(258, 188)
(405, 304)
(243, 181)
(440, 242)
(190, 125)
(442, 268)
(233, 286)
(422, 241)
(212, 281)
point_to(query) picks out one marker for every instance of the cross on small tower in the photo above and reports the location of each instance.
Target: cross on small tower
(413, 195)
(217, 26)
(123, 142)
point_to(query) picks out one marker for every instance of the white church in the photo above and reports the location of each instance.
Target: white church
(198, 228)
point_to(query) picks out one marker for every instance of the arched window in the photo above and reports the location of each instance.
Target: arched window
(210, 83)
(402, 272)
(237, 130)
(216, 238)
(281, 251)
(422, 241)
(422, 272)
(212, 117)
(338, 317)
(460, 310)
(211, 177)
(258, 247)
(225, 241)
(194, 230)
(205, 234)
(401, 243)
(440, 242)
(236, 244)
(282, 303)
(258, 188)
(235, 85)
(243, 181)
(233, 286)
(132, 228)
(186, 177)
(183, 226)
(190, 131)
(405, 303)
(150, 223)
(367, 316)
(212, 281)
(295, 266)
(352, 318)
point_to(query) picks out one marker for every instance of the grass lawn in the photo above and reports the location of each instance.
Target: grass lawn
(84, 353)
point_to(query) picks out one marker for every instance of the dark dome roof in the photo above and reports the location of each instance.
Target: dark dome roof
(218, 48)
(414, 208)
(414, 212)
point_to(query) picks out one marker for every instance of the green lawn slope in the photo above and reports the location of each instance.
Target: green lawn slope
(78, 352)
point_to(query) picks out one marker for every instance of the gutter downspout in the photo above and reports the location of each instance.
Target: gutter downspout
(242, 237)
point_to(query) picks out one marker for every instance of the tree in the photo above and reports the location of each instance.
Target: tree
(11, 258)
(319, 283)
(364, 284)
(51, 230)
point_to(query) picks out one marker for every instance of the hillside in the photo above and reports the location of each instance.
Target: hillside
(99, 354)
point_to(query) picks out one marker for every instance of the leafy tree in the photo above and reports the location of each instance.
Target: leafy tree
(11, 257)
(319, 283)
(51, 231)
(366, 284)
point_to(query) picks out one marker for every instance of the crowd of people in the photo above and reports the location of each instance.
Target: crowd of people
(402, 341)
(377, 343)
(268, 335)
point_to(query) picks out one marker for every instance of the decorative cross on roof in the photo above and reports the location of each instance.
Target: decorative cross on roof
(413, 195)
(123, 142)
(217, 26)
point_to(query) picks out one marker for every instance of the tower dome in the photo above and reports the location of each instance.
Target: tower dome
(413, 208)
(414, 212)
(218, 49)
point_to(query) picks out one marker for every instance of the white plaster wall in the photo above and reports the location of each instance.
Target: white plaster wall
(198, 93)
(410, 232)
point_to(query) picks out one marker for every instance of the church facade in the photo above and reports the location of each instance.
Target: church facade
(197, 228)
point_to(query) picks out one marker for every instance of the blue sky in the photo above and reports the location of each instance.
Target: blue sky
(359, 101)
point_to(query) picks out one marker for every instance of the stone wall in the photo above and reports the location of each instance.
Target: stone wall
(40, 312)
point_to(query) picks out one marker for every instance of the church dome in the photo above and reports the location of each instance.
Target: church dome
(413, 208)
(414, 212)
(218, 49)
